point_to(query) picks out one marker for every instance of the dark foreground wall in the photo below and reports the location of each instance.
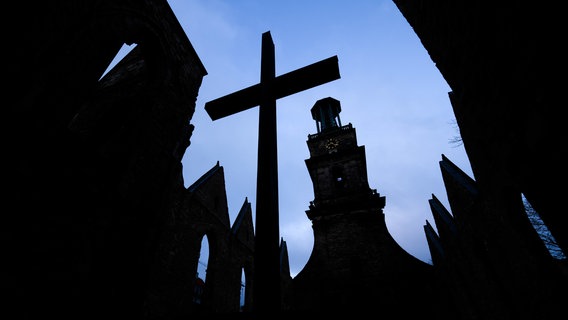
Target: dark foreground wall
(91, 162)
(500, 60)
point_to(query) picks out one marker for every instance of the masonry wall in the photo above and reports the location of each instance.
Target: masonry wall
(91, 161)
(498, 60)
(198, 211)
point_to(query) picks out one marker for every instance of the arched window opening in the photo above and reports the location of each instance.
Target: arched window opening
(338, 178)
(542, 230)
(201, 274)
(243, 291)
(124, 50)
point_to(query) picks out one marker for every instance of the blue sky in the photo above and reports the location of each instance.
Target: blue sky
(390, 90)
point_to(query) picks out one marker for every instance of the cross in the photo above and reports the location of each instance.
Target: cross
(266, 279)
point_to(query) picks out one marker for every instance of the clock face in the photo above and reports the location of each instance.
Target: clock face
(331, 144)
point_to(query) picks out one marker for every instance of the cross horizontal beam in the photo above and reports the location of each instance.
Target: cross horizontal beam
(289, 83)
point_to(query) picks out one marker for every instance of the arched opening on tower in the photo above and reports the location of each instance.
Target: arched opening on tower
(338, 177)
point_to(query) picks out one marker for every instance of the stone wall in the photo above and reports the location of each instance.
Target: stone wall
(499, 60)
(92, 161)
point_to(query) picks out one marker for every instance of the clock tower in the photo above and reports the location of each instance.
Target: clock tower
(355, 264)
(337, 165)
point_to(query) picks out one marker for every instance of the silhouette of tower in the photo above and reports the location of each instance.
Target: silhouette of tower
(355, 264)
(337, 166)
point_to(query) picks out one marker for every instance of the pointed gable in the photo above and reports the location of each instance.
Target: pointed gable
(447, 241)
(461, 189)
(443, 219)
(243, 229)
(436, 250)
(209, 191)
(284, 261)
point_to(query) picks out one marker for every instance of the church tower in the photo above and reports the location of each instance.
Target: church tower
(355, 264)
(337, 166)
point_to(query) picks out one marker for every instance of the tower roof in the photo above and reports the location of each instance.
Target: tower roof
(326, 113)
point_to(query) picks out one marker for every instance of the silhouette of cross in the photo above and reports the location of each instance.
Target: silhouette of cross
(266, 279)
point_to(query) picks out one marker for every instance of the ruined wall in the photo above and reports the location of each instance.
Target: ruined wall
(198, 211)
(92, 161)
(494, 268)
(499, 62)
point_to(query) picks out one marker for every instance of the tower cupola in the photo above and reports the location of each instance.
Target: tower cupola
(326, 113)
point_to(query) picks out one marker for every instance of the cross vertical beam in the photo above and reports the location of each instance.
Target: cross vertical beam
(266, 275)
